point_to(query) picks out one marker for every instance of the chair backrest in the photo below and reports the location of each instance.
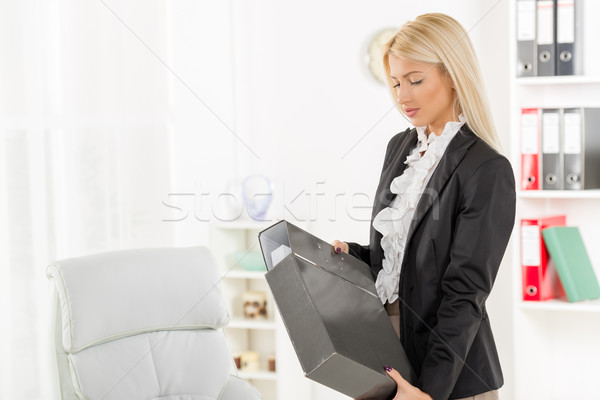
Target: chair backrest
(142, 324)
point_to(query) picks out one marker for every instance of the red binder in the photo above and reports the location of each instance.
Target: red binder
(530, 149)
(540, 279)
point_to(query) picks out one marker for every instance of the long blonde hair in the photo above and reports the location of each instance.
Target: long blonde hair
(441, 41)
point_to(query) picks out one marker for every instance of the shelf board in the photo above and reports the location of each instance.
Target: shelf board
(559, 194)
(242, 323)
(561, 305)
(258, 375)
(558, 80)
(237, 273)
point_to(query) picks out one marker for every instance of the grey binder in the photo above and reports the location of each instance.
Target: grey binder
(569, 37)
(545, 37)
(581, 148)
(339, 328)
(526, 47)
(551, 150)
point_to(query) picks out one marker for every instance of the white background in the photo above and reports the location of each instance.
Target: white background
(117, 116)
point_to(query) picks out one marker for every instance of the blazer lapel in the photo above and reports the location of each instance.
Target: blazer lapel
(455, 152)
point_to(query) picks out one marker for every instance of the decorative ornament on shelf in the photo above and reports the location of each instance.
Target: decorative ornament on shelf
(249, 361)
(374, 55)
(249, 260)
(257, 192)
(271, 361)
(255, 304)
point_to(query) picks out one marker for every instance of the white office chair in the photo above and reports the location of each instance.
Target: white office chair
(143, 324)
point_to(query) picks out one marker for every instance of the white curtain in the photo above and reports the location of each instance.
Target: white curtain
(84, 156)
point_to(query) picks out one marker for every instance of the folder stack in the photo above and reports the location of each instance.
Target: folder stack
(560, 148)
(554, 261)
(549, 37)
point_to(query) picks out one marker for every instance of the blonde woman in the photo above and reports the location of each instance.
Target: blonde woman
(442, 216)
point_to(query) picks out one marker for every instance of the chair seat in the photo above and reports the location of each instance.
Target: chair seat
(166, 362)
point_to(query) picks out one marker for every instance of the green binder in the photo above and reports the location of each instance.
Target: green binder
(572, 262)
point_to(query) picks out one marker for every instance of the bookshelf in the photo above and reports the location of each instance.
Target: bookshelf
(556, 345)
(266, 336)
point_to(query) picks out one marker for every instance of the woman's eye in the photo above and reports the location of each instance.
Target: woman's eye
(417, 82)
(396, 85)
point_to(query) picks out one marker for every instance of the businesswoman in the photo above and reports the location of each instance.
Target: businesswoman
(442, 215)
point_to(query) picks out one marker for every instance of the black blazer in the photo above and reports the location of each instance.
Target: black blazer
(457, 238)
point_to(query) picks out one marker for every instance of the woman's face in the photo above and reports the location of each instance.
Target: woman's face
(425, 94)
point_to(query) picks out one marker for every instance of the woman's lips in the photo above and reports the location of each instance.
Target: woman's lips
(410, 112)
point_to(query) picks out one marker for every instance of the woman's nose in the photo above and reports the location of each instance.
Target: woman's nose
(404, 95)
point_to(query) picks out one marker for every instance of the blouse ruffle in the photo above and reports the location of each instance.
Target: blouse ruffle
(393, 222)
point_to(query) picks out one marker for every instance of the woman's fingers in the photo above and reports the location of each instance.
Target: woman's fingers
(400, 381)
(405, 389)
(339, 246)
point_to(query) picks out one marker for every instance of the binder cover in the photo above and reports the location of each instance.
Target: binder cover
(575, 270)
(545, 38)
(581, 148)
(339, 328)
(526, 47)
(551, 156)
(539, 278)
(530, 173)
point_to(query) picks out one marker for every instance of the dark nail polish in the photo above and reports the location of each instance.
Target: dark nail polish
(388, 369)
(338, 250)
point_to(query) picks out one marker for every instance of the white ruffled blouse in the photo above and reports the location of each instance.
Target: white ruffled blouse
(393, 222)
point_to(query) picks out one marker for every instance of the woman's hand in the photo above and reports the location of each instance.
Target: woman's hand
(406, 391)
(338, 246)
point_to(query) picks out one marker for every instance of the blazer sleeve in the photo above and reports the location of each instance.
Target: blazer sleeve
(484, 223)
(361, 252)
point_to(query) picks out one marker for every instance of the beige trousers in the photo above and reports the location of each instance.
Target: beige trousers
(491, 395)
(393, 311)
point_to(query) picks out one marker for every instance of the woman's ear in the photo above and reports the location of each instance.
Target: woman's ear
(449, 80)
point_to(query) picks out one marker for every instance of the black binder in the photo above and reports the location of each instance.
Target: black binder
(546, 37)
(552, 168)
(581, 148)
(569, 37)
(340, 330)
(526, 47)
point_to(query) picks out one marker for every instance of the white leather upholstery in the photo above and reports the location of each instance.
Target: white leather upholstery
(143, 324)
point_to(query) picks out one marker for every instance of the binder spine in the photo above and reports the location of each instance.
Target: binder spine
(566, 37)
(526, 46)
(530, 172)
(551, 150)
(591, 147)
(531, 262)
(572, 149)
(546, 37)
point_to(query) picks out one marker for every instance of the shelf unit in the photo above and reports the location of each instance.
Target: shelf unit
(267, 336)
(556, 345)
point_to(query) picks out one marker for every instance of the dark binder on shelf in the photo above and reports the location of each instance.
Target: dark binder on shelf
(551, 150)
(569, 37)
(581, 148)
(545, 37)
(530, 138)
(526, 47)
(539, 278)
(573, 265)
